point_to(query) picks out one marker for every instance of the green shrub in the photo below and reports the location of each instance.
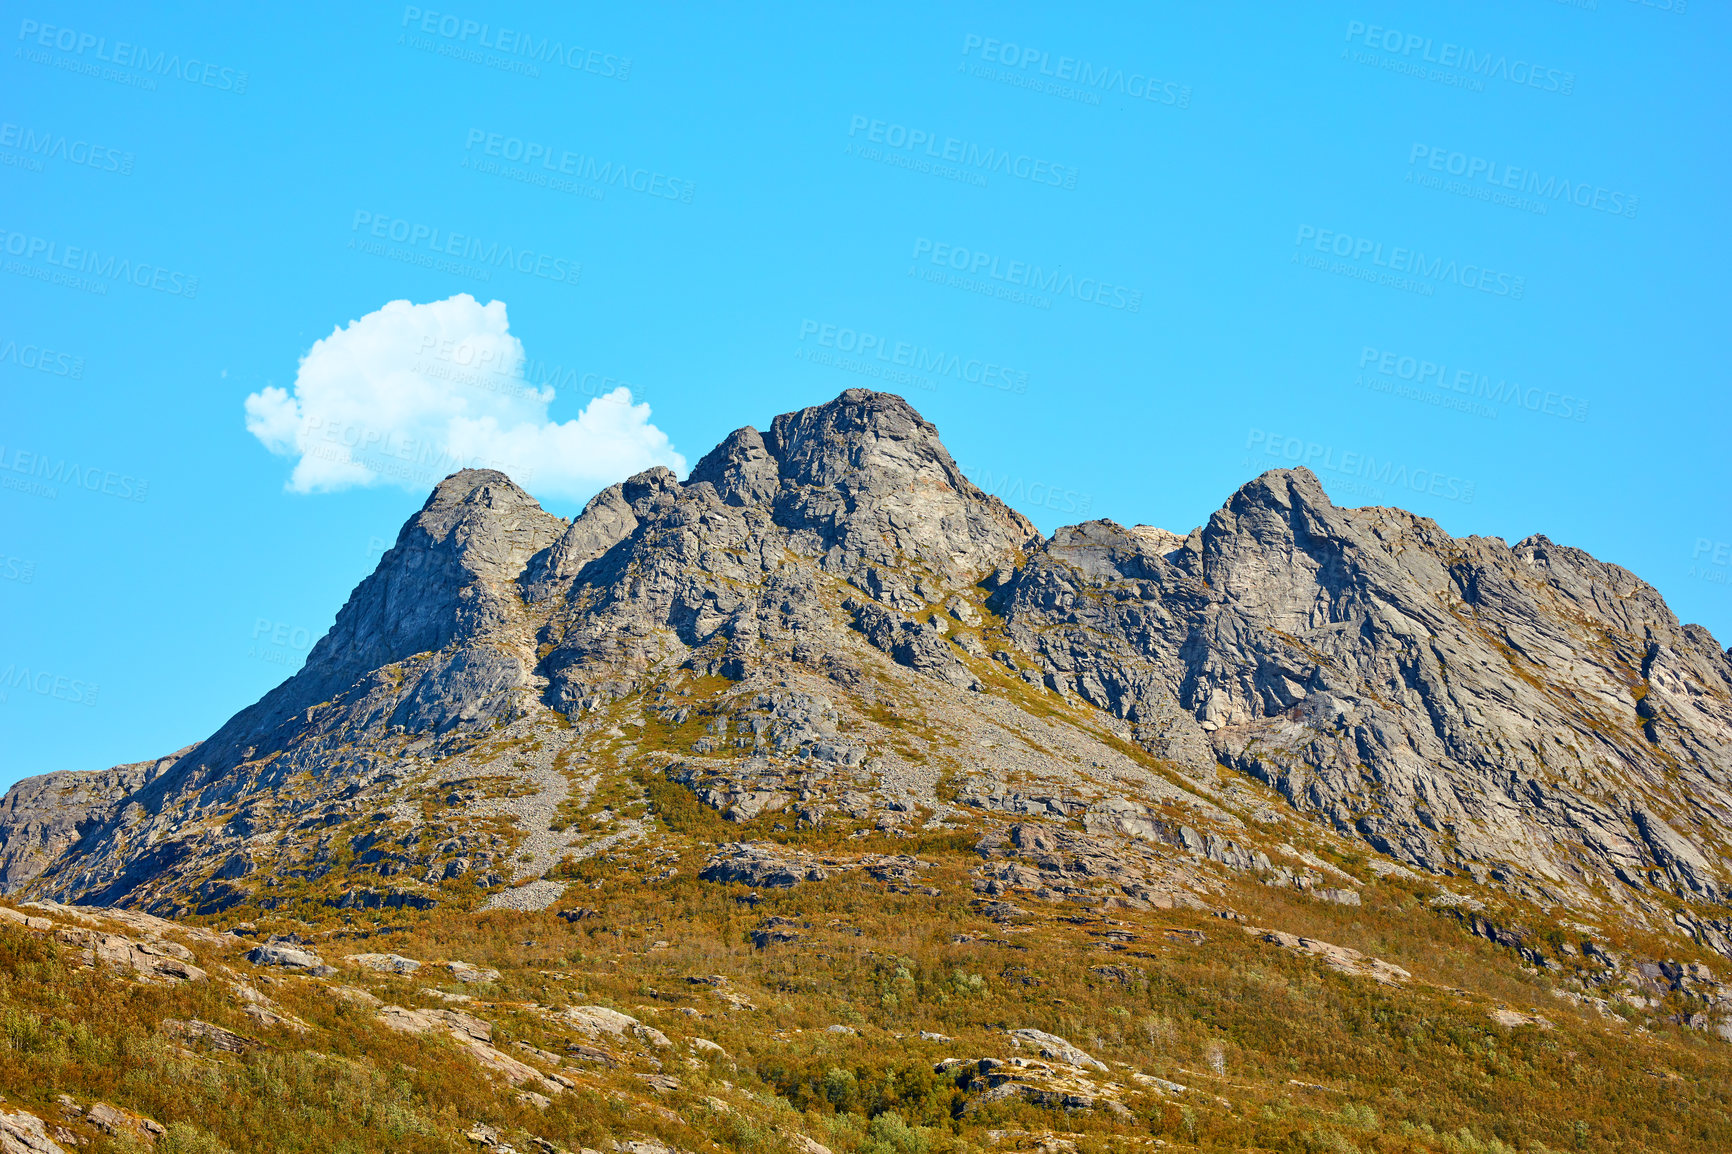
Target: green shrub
(840, 1088)
(889, 1133)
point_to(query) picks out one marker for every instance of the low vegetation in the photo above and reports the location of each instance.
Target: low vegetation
(839, 1033)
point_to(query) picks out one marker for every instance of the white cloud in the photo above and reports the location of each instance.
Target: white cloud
(411, 393)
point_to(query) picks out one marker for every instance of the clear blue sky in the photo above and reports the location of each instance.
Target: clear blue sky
(1465, 258)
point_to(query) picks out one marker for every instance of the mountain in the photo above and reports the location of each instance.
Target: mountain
(827, 640)
(1524, 715)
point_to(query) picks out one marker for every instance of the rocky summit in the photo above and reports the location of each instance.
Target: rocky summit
(912, 829)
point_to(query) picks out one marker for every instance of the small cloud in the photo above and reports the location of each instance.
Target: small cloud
(410, 393)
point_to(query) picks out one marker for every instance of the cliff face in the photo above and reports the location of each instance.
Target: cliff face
(41, 818)
(1522, 715)
(1525, 713)
(739, 566)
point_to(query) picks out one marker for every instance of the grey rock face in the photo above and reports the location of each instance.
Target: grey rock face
(1523, 713)
(27, 1134)
(210, 1036)
(860, 489)
(427, 619)
(920, 647)
(43, 817)
(868, 476)
(1451, 701)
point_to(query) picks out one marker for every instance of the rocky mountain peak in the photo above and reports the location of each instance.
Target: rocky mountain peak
(451, 565)
(447, 584)
(1280, 505)
(467, 485)
(864, 479)
(741, 469)
(863, 443)
(872, 477)
(479, 521)
(1295, 488)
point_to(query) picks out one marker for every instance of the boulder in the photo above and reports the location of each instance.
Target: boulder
(454, 1022)
(598, 1020)
(113, 1120)
(385, 963)
(209, 1036)
(22, 1133)
(464, 972)
(766, 865)
(1055, 1048)
(289, 956)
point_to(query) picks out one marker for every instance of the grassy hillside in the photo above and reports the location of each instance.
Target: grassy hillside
(833, 1034)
